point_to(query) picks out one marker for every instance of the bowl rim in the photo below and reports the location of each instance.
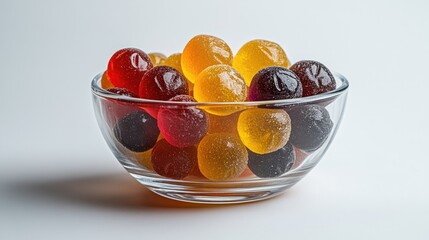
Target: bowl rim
(341, 89)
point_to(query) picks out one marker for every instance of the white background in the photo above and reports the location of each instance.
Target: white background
(58, 179)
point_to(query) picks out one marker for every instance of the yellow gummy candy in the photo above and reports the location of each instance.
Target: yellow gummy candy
(264, 130)
(220, 83)
(203, 51)
(221, 156)
(157, 58)
(256, 55)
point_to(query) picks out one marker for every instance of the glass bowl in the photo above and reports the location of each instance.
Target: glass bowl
(249, 176)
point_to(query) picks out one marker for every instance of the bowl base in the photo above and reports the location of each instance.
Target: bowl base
(218, 198)
(217, 192)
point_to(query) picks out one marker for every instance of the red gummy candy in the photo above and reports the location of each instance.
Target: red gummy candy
(126, 68)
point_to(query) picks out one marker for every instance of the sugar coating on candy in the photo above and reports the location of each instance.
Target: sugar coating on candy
(203, 51)
(264, 130)
(220, 83)
(311, 126)
(126, 68)
(315, 77)
(121, 91)
(182, 126)
(157, 58)
(105, 82)
(221, 156)
(272, 164)
(256, 55)
(137, 131)
(173, 162)
(273, 83)
(162, 83)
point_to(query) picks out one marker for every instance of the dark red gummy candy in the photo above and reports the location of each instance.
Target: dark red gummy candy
(170, 161)
(122, 91)
(162, 83)
(315, 77)
(182, 126)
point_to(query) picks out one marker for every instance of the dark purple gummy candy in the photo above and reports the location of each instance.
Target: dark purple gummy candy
(137, 131)
(274, 83)
(311, 125)
(272, 164)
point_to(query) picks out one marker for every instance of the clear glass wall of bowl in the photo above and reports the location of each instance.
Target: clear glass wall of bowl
(110, 109)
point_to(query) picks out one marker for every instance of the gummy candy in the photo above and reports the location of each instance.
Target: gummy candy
(220, 83)
(182, 126)
(137, 131)
(227, 124)
(162, 83)
(311, 126)
(273, 83)
(170, 161)
(221, 156)
(203, 51)
(272, 164)
(315, 77)
(300, 157)
(113, 110)
(256, 55)
(157, 58)
(105, 82)
(143, 158)
(264, 130)
(247, 173)
(174, 61)
(126, 68)
(121, 91)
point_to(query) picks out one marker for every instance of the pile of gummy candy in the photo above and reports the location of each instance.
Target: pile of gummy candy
(217, 143)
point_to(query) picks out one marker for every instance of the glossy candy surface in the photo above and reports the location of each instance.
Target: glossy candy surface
(221, 156)
(264, 130)
(272, 164)
(162, 83)
(273, 83)
(157, 58)
(256, 55)
(174, 61)
(315, 77)
(311, 125)
(220, 83)
(203, 51)
(126, 68)
(105, 82)
(182, 126)
(170, 161)
(137, 131)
